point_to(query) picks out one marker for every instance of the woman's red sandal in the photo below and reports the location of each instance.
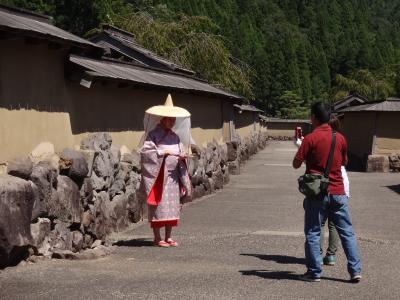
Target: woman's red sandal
(172, 243)
(161, 244)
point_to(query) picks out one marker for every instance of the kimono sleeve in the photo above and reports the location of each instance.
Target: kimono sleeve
(150, 145)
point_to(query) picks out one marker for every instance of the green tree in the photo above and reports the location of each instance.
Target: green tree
(76, 16)
(189, 41)
(364, 82)
(41, 6)
(292, 106)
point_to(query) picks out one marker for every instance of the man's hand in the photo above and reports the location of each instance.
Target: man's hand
(298, 142)
(296, 163)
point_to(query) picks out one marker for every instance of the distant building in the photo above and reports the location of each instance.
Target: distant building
(371, 128)
(284, 128)
(351, 100)
(246, 119)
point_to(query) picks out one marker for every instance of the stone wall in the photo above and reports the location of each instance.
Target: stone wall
(281, 138)
(64, 205)
(394, 162)
(241, 149)
(383, 163)
(211, 167)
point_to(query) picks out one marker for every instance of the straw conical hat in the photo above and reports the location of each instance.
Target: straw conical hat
(168, 109)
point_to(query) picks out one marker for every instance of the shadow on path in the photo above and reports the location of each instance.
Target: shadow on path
(395, 188)
(266, 274)
(280, 259)
(134, 243)
(282, 275)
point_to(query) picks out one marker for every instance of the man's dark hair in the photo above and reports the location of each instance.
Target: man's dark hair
(321, 111)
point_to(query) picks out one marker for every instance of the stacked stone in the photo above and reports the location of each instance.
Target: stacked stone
(378, 163)
(262, 140)
(16, 202)
(241, 150)
(281, 138)
(58, 205)
(115, 178)
(252, 144)
(394, 161)
(208, 168)
(234, 156)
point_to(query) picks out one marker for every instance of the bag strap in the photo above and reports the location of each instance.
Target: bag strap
(330, 157)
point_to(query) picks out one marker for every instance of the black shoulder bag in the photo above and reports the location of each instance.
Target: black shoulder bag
(312, 185)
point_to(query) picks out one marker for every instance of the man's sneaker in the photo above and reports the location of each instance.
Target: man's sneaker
(309, 277)
(355, 278)
(329, 260)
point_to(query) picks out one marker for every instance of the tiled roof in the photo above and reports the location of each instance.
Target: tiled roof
(246, 107)
(391, 104)
(30, 24)
(127, 40)
(146, 76)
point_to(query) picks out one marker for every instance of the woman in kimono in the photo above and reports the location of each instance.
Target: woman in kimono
(165, 180)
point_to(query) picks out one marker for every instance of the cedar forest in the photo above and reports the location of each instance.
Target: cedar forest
(282, 55)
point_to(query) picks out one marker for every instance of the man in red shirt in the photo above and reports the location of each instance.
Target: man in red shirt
(314, 151)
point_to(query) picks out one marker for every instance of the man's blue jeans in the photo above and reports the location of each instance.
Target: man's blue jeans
(316, 212)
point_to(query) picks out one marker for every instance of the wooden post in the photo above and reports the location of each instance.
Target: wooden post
(374, 142)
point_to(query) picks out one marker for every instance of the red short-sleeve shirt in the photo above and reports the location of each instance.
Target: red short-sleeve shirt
(314, 151)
